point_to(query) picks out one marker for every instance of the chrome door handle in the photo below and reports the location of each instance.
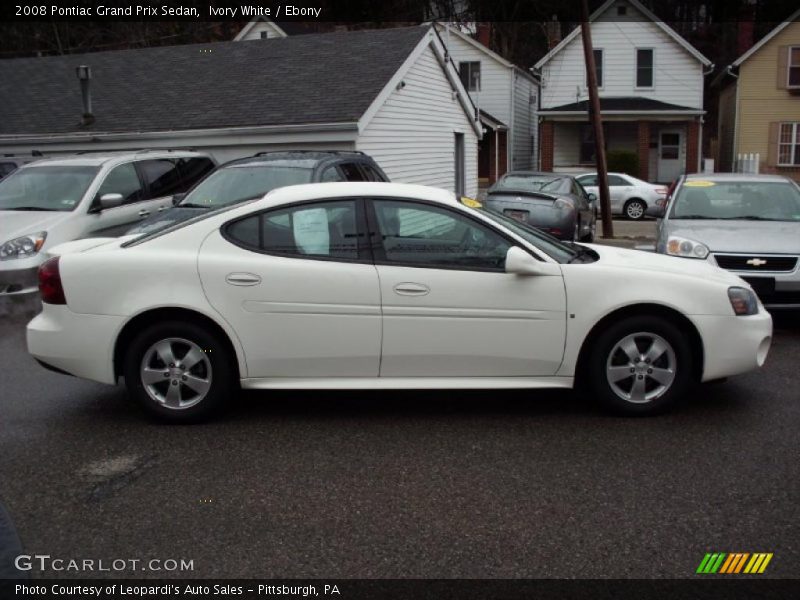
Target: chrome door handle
(243, 279)
(411, 289)
(144, 213)
(161, 208)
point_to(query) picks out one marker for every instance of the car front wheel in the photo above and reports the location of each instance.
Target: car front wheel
(635, 209)
(640, 366)
(178, 372)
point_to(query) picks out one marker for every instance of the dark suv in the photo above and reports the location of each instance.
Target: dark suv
(248, 178)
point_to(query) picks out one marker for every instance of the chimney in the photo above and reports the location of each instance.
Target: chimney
(553, 32)
(484, 33)
(84, 74)
(745, 29)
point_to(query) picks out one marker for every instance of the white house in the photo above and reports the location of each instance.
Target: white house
(507, 98)
(390, 93)
(650, 83)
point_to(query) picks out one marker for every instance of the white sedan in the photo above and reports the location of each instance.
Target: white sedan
(630, 197)
(376, 286)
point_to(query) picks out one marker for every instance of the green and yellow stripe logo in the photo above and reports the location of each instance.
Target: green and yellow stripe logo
(734, 562)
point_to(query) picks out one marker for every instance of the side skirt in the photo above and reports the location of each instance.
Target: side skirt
(400, 383)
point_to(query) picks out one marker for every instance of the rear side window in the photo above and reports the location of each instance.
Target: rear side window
(162, 177)
(327, 230)
(372, 173)
(352, 172)
(123, 180)
(193, 170)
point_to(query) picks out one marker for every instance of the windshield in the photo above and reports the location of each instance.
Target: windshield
(731, 200)
(58, 188)
(523, 183)
(554, 248)
(235, 184)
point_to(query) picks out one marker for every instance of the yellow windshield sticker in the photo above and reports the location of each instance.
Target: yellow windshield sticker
(471, 202)
(699, 183)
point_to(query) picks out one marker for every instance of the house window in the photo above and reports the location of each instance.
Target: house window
(789, 144)
(644, 67)
(598, 67)
(264, 35)
(794, 67)
(588, 154)
(622, 10)
(470, 75)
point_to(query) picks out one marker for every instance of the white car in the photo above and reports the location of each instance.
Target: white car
(55, 200)
(630, 197)
(381, 285)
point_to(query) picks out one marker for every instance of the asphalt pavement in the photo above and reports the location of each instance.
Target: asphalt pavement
(438, 484)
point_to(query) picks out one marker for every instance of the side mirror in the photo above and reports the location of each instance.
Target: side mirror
(520, 262)
(110, 201)
(592, 197)
(176, 199)
(658, 209)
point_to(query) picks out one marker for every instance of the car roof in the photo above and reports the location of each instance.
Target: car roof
(750, 177)
(316, 191)
(536, 174)
(96, 159)
(310, 158)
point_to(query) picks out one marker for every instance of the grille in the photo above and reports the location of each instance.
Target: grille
(738, 262)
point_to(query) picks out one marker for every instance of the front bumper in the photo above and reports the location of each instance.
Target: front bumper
(81, 345)
(19, 282)
(733, 345)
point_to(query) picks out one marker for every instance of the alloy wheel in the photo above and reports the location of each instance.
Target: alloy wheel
(176, 373)
(634, 210)
(641, 367)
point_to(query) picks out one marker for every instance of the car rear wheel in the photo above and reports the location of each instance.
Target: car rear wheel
(178, 372)
(640, 366)
(635, 209)
(589, 237)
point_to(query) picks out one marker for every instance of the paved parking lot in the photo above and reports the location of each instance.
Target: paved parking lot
(405, 484)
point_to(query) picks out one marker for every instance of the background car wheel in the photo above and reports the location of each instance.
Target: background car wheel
(178, 372)
(640, 366)
(635, 209)
(576, 233)
(589, 237)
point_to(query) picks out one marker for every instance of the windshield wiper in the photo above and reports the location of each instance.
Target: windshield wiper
(29, 208)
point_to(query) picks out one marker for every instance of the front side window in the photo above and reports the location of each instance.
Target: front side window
(794, 67)
(737, 200)
(321, 230)
(789, 144)
(47, 188)
(617, 181)
(352, 172)
(588, 180)
(421, 235)
(125, 181)
(470, 73)
(162, 177)
(644, 67)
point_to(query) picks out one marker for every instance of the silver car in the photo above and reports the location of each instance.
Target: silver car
(630, 197)
(748, 224)
(553, 203)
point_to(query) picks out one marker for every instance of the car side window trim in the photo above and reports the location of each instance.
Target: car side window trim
(378, 251)
(364, 251)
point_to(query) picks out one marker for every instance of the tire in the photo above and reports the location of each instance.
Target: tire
(184, 395)
(576, 233)
(655, 394)
(589, 237)
(634, 209)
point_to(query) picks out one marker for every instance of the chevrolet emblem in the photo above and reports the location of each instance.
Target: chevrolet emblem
(757, 262)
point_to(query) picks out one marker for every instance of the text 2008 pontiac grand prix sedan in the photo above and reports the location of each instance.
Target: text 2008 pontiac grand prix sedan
(374, 285)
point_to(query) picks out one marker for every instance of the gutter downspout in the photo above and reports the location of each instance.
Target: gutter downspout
(510, 135)
(735, 114)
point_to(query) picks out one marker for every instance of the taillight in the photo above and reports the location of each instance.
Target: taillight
(50, 282)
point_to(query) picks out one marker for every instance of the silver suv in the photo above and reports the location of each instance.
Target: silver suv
(57, 200)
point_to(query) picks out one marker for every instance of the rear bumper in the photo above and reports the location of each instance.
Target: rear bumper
(19, 282)
(734, 345)
(80, 345)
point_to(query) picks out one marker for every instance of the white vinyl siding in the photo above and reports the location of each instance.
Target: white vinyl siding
(412, 136)
(677, 75)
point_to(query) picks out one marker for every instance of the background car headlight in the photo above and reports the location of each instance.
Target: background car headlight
(743, 301)
(677, 246)
(23, 247)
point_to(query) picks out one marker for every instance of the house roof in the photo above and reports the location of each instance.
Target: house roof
(646, 12)
(621, 104)
(308, 79)
(491, 121)
(765, 39)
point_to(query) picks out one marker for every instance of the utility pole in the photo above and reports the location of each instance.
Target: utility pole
(597, 122)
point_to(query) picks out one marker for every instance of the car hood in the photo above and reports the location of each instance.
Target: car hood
(163, 220)
(778, 237)
(16, 223)
(650, 261)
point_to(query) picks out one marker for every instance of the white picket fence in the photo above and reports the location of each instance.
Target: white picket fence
(747, 163)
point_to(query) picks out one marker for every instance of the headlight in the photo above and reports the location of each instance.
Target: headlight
(23, 247)
(677, 246)
(743, 301)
